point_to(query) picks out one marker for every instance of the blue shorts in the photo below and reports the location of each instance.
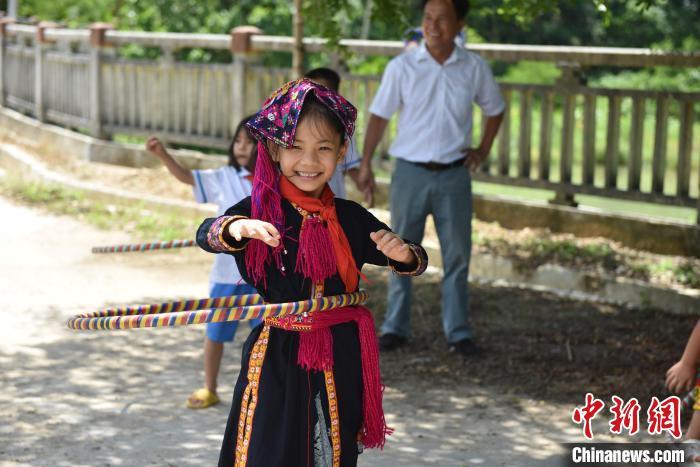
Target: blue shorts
(224, 332)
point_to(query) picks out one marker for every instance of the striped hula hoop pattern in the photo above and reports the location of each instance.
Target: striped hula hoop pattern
(205, 310)
(144, 246)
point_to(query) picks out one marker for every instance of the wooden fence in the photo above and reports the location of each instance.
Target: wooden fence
(569, 138)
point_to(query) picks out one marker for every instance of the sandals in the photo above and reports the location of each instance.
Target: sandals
(201, 399)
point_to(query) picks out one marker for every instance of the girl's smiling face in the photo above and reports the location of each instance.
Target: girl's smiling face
(310, 163)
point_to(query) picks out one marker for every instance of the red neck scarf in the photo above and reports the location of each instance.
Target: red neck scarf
(323, 246)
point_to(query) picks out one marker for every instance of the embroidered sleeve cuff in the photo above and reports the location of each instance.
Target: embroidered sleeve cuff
(409, 270)
(219, 238)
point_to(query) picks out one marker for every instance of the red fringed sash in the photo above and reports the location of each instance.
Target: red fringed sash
(316, 353)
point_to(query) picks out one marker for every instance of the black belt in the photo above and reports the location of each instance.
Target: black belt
(436, 166)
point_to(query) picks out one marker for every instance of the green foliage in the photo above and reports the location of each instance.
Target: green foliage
(131, 218)
(683, 272)
(535, 249)
(652, 79)
(368, 66)
(519, 11)
(531, 72)
(621, 23)
(590, 22)
(337, 19)
(688, 274)
(568, 251)
(656, 78)
(58, 199)
(393, 17)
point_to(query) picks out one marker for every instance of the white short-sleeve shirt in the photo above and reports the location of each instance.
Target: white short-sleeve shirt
(435, 102)
(224, 187)
(351, 161)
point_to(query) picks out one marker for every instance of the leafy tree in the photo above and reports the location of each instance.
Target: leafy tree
(665, 23)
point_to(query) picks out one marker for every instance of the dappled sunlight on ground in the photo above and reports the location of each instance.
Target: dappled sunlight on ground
(118, 398)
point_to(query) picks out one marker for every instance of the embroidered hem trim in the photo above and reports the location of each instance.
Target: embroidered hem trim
(335, 419)
(250, 397)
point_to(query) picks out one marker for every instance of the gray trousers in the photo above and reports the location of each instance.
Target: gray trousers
(447, 195)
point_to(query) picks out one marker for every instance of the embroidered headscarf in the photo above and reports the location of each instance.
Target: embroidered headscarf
(320, 255)
(278, 118)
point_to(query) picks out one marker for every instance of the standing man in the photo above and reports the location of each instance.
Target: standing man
(433, 87)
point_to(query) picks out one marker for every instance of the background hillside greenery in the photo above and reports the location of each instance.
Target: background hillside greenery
(661, 24)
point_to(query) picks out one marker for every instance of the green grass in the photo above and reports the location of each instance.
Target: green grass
(611, 205)
(135, 219)
(657, 78)
(687, 274)
(533, 250)
(608, 205)
(568, 250)
(124, 138)
(683, 273)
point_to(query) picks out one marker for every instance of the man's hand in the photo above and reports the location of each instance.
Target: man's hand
(475, 157)
(253, 228)
(366, 184)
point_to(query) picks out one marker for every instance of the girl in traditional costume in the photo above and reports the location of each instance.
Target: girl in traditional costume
(309, 391)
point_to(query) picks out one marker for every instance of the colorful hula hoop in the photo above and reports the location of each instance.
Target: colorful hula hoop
(205, 310)
(144, 246)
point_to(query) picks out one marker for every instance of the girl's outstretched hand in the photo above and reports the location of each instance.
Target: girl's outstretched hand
(155, 146)
(253, 228)
(392, 246)
(680, 377)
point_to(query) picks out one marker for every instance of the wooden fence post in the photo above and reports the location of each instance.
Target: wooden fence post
(241, 49)
(3, 42)
(570, 79)
(40, 46)
(98, 32)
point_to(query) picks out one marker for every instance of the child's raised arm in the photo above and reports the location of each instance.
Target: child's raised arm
(680, 377)
(155, 146)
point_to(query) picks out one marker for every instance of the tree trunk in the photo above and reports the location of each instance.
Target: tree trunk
(298, 32)
(13, 8)
(366, 20)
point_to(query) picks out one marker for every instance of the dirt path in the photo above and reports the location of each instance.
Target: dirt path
(117, 398)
